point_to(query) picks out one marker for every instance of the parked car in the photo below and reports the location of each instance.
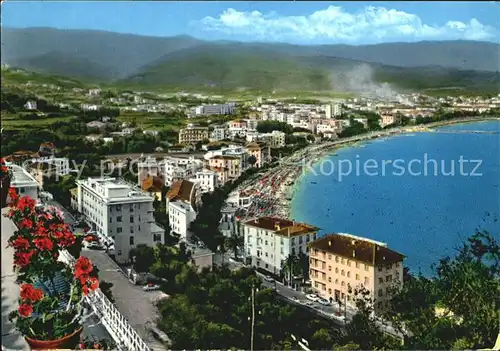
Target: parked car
(294, 299)
(151, 287)
(268, 279)
(94, 245)
(324, 302)
(312, 297)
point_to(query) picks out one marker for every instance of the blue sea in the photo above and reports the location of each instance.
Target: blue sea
(421, 208)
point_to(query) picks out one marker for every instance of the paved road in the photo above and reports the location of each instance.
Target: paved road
(299, 298)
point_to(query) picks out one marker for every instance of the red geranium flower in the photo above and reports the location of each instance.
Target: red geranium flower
(25, 310)
(44, 244)
(26, 202)
(83, 266)
(94, 283)
(30, 293)
(85, 290)
(21, 243)
(25, 223)
(22, 259)
(13, 194)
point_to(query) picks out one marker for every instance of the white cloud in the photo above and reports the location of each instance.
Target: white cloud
(334, 24)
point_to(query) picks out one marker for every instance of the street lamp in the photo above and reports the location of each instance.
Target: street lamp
(252, 318)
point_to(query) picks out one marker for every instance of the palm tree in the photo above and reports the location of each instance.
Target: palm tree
(233, 243)
(290, 266)
(303, 263)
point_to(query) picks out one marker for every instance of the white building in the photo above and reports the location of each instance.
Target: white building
(89, 107)
(337, 110)
(182, 200)
(94, 92)
(61, 164)
(269, 241)
(218, 109)
(219, 133)
(24, 183)
(206, 179)
(120, 213)
(275, 139)
(30, 105)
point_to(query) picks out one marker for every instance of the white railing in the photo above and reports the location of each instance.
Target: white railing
(125, 337)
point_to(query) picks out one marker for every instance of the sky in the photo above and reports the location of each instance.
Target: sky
(305, 22)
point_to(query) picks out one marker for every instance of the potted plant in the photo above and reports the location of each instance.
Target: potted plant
(5, 178)
(51, 309)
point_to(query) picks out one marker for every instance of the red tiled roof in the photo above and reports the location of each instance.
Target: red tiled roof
(356, 249)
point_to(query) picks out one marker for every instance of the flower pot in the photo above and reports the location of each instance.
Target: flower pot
(68, 342)
(4, 188)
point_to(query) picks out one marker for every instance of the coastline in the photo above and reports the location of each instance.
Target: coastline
(276, 188)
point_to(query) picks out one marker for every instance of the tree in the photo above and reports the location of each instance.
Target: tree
(143, 258)
(459, 306)
(234, 243)
(290, 267)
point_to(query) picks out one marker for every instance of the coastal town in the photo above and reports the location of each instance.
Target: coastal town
(246, 176)
(257, 160)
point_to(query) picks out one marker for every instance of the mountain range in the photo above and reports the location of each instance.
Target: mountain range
(183, 61)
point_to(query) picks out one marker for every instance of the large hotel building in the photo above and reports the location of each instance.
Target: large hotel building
(342, 263)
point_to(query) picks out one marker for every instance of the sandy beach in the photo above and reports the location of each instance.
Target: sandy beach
(273, 191)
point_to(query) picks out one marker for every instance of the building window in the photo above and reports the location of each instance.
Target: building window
(343, 283)
(367, 280)
(156, 237)
(388, 278)
(342, 261)
(348, 263)
(336, 281)
(330, 268)
(366, 267)
(330, 291)
(119, 229)
(110, 219)
(329, 256)
(329, 279)
(348, 274)
(336, 270)
(131, 219)
(357, 264)
(131, 240)
(379, 268)
(380, 280)
(357, 276)
(131, 229)
(118, 207)
(337, 259)
(119, 218)
(380, 292)
(342, 272)
(21, 190)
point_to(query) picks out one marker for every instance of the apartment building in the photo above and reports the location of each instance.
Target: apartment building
(231, 163)
(342, 263)
(206, 179)
(275, 139)
(192, 134)
(261, 151)
(269, 241)
(120, 213)
(216, 109)
(222, 175)
(23, 182)
(219, 133)
(386, 120)
(182, 201)
(59, 165)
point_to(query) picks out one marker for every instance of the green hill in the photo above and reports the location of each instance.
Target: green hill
(226, 67)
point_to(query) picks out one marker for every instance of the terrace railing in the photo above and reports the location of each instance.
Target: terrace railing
(125, 337)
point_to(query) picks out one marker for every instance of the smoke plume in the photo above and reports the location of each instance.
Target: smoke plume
(360, 80)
